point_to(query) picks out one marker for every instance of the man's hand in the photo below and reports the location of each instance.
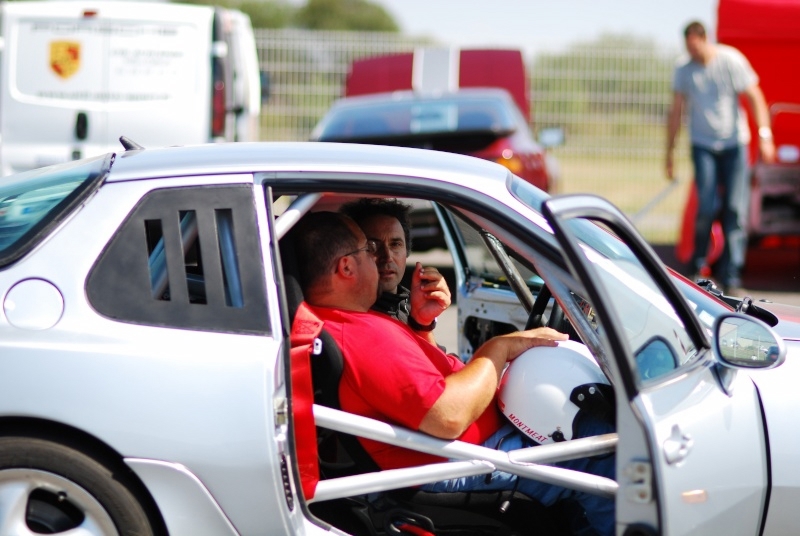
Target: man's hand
(509, 347)
(469, 391)
(429, 294)
(670, 165)
(766, 148)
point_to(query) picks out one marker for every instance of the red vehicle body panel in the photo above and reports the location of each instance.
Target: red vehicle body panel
(497, 68)
(766, 32)
(478, 68)
(379, 75)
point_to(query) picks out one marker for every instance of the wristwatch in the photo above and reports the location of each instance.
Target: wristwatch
(416, 326)
(765, 133)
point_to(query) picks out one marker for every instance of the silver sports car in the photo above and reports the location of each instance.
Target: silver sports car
(147, 385)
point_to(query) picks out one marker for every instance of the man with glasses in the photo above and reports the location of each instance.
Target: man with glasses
(394, 375)
(387, 222)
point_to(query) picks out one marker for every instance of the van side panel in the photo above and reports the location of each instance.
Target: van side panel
(246, 84)
(75, 77)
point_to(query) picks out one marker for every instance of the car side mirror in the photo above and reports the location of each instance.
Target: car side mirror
(551, 137)
(745, 342)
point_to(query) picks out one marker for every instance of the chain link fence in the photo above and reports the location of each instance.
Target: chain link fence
(611, 101)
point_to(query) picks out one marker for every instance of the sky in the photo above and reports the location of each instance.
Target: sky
(534, 25)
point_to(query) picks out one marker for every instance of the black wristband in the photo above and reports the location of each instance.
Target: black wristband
(416, 326)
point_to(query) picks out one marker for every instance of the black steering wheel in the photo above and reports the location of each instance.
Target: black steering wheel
(536, 316)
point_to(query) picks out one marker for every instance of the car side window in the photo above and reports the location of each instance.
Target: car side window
(481, 263)
(185, 258)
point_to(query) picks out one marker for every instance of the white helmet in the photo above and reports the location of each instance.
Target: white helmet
(544, 389)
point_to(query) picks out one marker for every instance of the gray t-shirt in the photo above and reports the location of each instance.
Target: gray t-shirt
(716, 120)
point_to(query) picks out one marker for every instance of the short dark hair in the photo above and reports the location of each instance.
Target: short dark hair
(694, 28)
(319, 238)
(363, 209)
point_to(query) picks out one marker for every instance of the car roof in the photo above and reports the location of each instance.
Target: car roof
(239, 157)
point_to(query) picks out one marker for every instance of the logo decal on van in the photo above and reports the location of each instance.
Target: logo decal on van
(65, 57)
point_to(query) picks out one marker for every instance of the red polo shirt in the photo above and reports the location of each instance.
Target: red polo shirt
(393, 375)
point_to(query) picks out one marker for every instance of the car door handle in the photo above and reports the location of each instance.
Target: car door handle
(677, 445)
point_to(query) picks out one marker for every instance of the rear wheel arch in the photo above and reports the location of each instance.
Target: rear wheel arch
(44, 436)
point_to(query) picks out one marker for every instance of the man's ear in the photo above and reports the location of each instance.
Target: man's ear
(345, 267)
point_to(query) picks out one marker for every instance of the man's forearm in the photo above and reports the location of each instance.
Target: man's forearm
(467, 394)
(759, 106)
(674, 121)
(673, 124)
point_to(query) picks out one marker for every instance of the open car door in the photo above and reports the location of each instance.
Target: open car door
(692, 452)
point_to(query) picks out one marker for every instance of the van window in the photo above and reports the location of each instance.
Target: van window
(32, 203)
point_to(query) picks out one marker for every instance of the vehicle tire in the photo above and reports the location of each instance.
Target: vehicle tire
(51, 488)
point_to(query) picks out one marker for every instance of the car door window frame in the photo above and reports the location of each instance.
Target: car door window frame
(558, 212)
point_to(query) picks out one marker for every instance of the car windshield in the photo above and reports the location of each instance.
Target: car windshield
(419, 116)
(704, 304)
(655, 332)
(32, 203)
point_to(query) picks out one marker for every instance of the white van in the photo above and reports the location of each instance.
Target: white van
(76, 75)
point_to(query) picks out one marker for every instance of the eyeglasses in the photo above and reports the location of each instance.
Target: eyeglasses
(371, 248)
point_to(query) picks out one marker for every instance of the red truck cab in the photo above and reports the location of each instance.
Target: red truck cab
(766, 32)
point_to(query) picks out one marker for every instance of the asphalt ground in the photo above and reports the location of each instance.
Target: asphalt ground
(772, 270)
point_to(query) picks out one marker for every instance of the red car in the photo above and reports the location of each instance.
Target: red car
(472, 102)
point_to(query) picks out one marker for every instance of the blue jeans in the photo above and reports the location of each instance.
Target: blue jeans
(722, 185)
(599, 510)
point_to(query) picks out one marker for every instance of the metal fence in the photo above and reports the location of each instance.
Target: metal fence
(610, 100)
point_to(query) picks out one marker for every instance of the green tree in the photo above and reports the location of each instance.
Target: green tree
(356, 15)
(262, 13)
(268, 14)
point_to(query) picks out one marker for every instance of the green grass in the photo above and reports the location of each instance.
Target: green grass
(631, 184)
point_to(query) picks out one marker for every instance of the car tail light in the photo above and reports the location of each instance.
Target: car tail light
(511, 161)
(218, 109)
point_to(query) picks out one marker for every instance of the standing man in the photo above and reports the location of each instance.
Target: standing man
(708, 84)
(386, 221)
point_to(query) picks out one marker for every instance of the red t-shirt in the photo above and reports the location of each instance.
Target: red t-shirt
(393, 375)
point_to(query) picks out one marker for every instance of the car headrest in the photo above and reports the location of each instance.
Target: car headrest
(291, 278)
(326, 365)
